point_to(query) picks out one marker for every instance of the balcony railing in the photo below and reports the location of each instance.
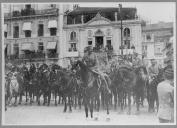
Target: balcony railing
(52, 55)
(31, 12)
(32, 55)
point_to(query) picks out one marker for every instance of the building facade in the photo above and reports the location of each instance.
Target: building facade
(55, 34)
(33, 34)
(100, 28)
(154, 40)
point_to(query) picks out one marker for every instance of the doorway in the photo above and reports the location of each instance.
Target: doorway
(99, 42)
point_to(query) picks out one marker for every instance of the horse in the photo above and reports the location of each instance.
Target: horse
(13, 88)
(45, 88)
(91, 84)
(128, 80)
(67, 86)
(26, 84)
(53, 84)
(139, 89)
(152, 95)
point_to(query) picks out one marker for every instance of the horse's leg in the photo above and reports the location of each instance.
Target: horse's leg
(115, 100)
(55, 93)
(49, 95)
(107, 106)
(129, 103)
(98, 107)
(26, 93)
(65, 102)
(6, 98)
(125, 99)
(121, 100)
(95, 103)
(70, 100)
(79, 101)
(38, 96)
(137, 102)
(20, 96)
(157, 101)
(44, 97)
(86, 106)
(15, 103)
(10, 97)
(91, 108)
(76, 99)
(30, 93)
(102, 98)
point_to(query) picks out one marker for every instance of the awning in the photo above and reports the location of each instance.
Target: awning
(27, 46)
(5, 27)
(52, 24)
(26, 26)
(51, 45)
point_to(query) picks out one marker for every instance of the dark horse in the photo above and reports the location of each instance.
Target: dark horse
(152, 95)
(125, 81)
(92, 83)
(67, 84)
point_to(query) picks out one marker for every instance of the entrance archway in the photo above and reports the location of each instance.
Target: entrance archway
(99, 43)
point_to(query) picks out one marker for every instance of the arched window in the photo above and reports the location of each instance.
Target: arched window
(73, 35)
(126, 32)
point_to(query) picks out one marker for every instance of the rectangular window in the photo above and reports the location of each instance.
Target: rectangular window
(148, 37)
(108, 45)
(16, 50)
(158, 50)
(5, 34)
(16, 32)
(27, 33)
(90, 43)
(41, 30)
(73, 47)
(53, 31)
(28, 6)
(40, 46)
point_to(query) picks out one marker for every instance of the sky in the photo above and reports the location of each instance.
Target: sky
(152, 12)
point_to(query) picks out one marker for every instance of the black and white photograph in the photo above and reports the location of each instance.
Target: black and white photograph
(89, 63)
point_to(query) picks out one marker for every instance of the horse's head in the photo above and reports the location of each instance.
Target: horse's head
(141, 72)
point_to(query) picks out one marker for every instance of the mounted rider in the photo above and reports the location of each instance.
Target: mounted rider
(153, 70)
(53, 74)
(90, 60)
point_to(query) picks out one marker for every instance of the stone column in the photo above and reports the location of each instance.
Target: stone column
(104, 41)
(93, 41)
(115, 15)
(82, 19)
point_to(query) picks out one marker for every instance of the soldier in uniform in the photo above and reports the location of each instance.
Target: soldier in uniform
(153, 70)
(89, 58)
(136, 62)
(91, 61)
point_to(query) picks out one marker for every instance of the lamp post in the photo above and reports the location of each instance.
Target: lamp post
(120, 12)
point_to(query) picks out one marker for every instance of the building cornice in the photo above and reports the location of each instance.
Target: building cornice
(114, 23)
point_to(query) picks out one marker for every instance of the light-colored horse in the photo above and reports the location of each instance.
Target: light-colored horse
(13, 89)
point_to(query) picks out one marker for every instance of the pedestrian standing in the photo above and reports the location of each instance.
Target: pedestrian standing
(165, 91)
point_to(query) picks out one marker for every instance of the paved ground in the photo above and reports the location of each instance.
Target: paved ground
(53, 115)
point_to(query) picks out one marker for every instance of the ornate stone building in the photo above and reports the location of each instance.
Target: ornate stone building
(100, 27)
